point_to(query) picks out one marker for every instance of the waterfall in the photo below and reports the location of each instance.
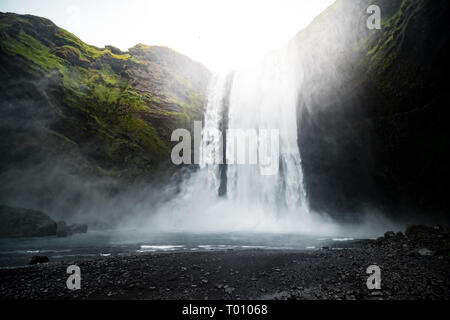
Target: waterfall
(261, 98)
(211, 147)
(222, 196)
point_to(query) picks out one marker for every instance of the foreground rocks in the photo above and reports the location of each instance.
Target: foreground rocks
(19, 222)
(337, 274)
(39, 259)
(418, 240)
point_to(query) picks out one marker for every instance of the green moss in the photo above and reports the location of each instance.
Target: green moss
(143, 134)
(128, 127)
(134, 101)
(87, 50)
(30, 49)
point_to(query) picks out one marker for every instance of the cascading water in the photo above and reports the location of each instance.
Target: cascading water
(211, 147)
(265, 98)
(260, 99)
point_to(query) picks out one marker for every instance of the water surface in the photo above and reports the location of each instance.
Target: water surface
(18, 251)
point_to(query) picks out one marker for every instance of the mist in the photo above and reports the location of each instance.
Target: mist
(270, 94)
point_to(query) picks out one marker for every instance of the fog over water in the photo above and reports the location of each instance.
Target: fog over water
(269, 95)
(244, 197)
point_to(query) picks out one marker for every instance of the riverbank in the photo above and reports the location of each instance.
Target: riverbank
(408, 271)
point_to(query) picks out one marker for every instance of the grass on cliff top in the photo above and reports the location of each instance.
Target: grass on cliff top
(29, 48)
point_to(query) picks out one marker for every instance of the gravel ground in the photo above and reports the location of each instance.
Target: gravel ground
(407, 272)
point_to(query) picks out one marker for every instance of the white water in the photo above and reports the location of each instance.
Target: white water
(211, 152)
(263, 97)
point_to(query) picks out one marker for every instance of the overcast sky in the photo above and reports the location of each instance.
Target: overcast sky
(222, 34)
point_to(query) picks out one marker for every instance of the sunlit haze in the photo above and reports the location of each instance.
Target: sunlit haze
(220, 34)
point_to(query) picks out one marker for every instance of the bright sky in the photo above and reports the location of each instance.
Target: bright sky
(221, 34)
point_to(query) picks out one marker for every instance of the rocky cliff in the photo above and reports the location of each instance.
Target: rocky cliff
(77, 122)
(373, 109)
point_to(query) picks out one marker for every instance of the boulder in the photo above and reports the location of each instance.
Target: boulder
(400, 236)
(389, 235)
(19, 222)
(64, 230)
(425, 252)
(421, 232)
(39, 259)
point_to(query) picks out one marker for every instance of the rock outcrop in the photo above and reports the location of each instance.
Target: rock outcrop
(38, 260)
(18, 222)
(79, 124)
(373, 109)
(418, 240)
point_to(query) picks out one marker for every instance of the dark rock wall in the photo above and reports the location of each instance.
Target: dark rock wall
(373, 128)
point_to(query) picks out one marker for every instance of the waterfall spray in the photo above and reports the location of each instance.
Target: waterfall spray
(227, 195)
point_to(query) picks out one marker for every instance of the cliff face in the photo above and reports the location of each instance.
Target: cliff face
(373, 110)
(78, 122)
(71, 112)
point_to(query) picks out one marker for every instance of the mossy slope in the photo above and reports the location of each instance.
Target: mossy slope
(117, 108)
(80, 125)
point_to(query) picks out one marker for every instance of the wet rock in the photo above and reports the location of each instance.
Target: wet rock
(39, 259)
(400, 236)
(19, 222)
(419, 232)
(389, 235)
(229, 290)
(424, 252)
